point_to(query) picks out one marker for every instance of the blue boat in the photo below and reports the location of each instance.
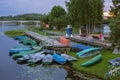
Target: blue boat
(115, 61)
(88, 52)
(19, 49)
(79, 46)
(20, 37)
(59, 59)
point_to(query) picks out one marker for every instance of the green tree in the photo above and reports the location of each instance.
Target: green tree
(87, 14)
(115, 9)
(115, 31)
(44, 19)
(57, 17)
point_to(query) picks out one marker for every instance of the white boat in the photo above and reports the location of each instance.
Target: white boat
(68, 57)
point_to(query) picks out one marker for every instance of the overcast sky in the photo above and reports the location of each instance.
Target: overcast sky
(14, 7)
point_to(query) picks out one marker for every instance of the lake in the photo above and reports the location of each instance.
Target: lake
(10, 70)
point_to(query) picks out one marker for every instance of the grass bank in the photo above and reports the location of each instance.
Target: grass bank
(98, 69)
(13, 33)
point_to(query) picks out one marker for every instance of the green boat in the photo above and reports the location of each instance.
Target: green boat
(29, 41)
(88, 52)
(25, 53)
(92, 61)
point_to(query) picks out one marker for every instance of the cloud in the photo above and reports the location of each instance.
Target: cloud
(13, 7)
(28, 6)
(107, 5)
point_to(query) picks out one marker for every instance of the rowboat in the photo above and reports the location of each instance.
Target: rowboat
(47, 59)
(92, 61)
(20, 37)
(68, 57)
(23, 59)
(25, 53)
(115, 61)
(59, 59)
(36, 59)
(78, 46)
(29, 56)
(88, 52)
(19, 49)
(29, 42)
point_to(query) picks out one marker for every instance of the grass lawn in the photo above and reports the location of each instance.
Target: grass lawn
(97, 69)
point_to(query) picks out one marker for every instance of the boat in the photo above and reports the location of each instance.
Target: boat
(49, 51)
(20, 37)
(68, 57)
(59, 59)
(36, 47)
(92, 61)
(47, 59)
(78, 46)
(36, 59)
(29, 42)
(115, 61)
(29, 56)
(88, 52)
(19, 49)
(25, 53)
(23, 59)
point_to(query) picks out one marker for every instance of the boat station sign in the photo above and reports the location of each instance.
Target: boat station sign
(112, 71)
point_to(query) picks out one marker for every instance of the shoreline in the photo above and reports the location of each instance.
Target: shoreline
(74, 74)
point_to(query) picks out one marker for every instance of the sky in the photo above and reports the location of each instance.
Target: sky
(15, 7)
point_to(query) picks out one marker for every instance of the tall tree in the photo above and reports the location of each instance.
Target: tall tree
(44, 19)
(115, 9)
(115, 30)
(85, 13)
(57, 17)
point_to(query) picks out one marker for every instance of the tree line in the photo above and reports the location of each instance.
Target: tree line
(31, 16)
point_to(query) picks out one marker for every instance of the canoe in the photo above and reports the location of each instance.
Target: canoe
(88, 52)
(68, 57)
(20, 37)
(115, 61)
(36, 59)
(19, 49)
(59, 59)
(25, 53)
(29, 56)
(47, 59)
(92, 61)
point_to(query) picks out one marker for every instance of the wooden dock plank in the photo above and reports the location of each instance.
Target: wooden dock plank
(46, 39)
(94, 42)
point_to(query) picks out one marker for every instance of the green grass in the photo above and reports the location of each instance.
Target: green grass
(38, 30)
(98, 69)
(13, 33)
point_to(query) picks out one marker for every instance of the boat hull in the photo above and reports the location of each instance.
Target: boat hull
(92, 61)
(59, 59)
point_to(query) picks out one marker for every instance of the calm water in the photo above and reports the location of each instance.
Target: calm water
(10, 70)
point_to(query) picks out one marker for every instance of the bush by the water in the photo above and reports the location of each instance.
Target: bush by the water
(14, 32)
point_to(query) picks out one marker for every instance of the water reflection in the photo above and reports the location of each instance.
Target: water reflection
(51, 72)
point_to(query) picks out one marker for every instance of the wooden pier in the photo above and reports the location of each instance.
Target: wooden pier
(94, 42)
(48, 41)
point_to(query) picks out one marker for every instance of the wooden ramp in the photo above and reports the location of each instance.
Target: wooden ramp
(47, 40)
(89, 41)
